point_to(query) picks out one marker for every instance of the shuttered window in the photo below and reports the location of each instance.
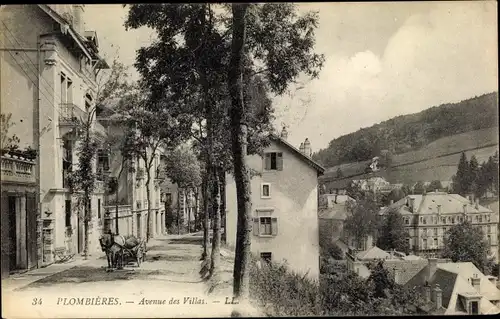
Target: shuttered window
(273, 161)
(265, 226)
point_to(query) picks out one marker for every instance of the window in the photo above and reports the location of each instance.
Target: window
(425, 243)
(69, 91)
(435, 231)
(266, 257)
(473, 308)
(453, 220)
(480, 219)
(444, 231)
(490, 228)
(273, 161)
(265, 190)
(425, 221)
(435, 242)
(409, 242)
(63, 88)
(407, 221)
(99, 208)
(424, 231)
(68, 213)
(489, 240)
(265, 226)
(444, 220)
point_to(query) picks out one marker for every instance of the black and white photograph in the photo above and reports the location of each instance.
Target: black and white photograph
(272, 159)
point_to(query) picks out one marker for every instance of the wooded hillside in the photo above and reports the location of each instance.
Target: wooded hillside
(411, 132)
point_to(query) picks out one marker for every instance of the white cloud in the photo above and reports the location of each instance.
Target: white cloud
(446, 54)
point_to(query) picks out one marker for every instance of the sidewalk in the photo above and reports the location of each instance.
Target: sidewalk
(20, 280)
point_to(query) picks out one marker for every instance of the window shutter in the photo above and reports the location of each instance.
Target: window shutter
(256, 226)
(267, 161)
(274, 226)
(279, 161)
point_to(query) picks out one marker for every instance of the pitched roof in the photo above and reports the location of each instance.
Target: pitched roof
(453, 281)
(428, 203)
(373, 253)
(320, 169)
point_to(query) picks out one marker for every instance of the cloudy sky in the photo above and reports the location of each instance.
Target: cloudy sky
(382, 60)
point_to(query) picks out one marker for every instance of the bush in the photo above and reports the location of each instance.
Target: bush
(281, 292)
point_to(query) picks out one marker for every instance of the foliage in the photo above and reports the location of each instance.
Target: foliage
(8, 142)
(183, 168)
(436, 184)
(392, 233)
(419, 188)
(362, 218)
(331, 250)
(396, 194)
(410, 132)
(281, 292)
(465, 242)
(474, 178)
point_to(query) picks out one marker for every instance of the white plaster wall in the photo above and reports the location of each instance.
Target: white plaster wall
(294, 200)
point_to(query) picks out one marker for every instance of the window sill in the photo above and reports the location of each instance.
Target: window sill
(267, 236)
(265, 197)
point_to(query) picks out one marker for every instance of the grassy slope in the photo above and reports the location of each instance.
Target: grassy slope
(437, 160)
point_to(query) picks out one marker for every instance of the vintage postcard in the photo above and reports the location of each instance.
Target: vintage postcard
(249, 159)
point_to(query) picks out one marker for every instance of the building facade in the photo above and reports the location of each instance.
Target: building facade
(126, 208)
(20, 224)
(284, 206)
(429, 216)
(48, 76)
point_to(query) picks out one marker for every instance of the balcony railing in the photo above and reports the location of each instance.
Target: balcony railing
(70, 114)
(17, 169)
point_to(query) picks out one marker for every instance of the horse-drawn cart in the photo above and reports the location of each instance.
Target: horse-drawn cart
(134, 252)
(121, 250)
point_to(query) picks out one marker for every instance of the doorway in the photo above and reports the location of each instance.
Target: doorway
(12, 233)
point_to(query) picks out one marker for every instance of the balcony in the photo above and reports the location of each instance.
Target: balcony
(70, 114)
(17, 169)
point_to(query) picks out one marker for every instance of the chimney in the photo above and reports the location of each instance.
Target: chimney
(475, 281)
(301, 148)
(412, 204)
(438, 297)
(284, 133)
(78, 23)
(307, 148)
(431, 267)
(439, 209)
(427, 292)
(335, 201)
(476, 203)
(465, 208)
(391, 202)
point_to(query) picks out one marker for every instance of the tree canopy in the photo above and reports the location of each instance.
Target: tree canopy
(465, 242)
(392, 233)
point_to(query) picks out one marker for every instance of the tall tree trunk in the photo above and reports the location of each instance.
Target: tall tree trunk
(215, 258)
(188, 211)
(222, 178)
(148, 223)
(196, 210)
(239, 147)
(206, 215)
(86, 220)
(178, 210)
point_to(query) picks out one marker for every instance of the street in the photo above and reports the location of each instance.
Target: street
(167, 284)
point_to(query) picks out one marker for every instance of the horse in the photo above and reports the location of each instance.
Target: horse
(112, 245)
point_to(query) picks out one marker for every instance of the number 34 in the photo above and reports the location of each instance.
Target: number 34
(36, 301)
